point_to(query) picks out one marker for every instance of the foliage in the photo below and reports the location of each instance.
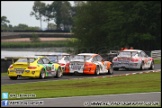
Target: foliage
(61, 11)
(115, 24)
(4, 20)
(38, 10)
(34, 38)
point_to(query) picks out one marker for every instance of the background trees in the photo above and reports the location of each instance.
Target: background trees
(4, 22)
(115, 24)
(38, 11)
(99, 25)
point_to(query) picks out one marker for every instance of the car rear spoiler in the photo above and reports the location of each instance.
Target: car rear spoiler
(13, 58)
(52, 55)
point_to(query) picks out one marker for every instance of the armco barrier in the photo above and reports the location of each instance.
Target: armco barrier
(156, 54)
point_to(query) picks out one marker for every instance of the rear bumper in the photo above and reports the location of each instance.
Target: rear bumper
(92, 72)
(31, 73)
(127, 65)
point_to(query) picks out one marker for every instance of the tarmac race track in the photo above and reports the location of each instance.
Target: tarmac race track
(6, 80)
(152, 99)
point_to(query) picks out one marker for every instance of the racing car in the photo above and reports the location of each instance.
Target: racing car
(33, 67)
(88, 63)
(133, 59)
(60, 58)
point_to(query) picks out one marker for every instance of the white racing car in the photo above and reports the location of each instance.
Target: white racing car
(133, 59)
(88, 63)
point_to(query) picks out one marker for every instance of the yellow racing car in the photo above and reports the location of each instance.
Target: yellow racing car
(34, 67)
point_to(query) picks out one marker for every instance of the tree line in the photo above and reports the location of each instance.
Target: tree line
(100, 25)
(110, 25)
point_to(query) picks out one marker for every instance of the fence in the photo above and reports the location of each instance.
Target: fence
(156, 54)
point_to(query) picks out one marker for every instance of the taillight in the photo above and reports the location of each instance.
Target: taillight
(11, 66)
(134, 60)
(32, 67)
(67, 65)
(62, 64)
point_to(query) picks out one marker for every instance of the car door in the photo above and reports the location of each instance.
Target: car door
(145, 59)
(102, 63)
(49, 66)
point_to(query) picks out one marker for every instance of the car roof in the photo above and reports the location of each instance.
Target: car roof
(136, 50)
(90, 54)
(18, 57)
(57, 54)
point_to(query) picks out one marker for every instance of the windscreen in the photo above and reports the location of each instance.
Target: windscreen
(127, 53)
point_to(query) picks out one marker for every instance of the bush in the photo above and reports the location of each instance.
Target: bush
(34, 38)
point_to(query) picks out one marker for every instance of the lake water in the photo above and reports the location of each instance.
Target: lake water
(13, 52)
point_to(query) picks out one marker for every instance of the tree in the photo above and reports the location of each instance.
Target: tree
(38, 10)
(4, 23)
(48, 14)
(66, 15)
(114, 24)
(56, 8)
(4, 20)
(62, 14)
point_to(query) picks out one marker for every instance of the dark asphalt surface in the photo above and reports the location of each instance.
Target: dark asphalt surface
(6, 80)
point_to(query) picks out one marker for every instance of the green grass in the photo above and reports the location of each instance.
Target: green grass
(157, 61)
(150, 82)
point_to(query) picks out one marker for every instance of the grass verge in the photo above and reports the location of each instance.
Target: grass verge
(157, 61)
(150, 82)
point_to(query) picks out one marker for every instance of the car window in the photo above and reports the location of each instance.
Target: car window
(99, 58)
(67, 58)
(94, 59)
(127, 53)
(45, 61)
(144, 54)
(31, 60)
(40, 61)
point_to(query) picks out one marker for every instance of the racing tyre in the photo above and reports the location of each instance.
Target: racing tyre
(110, 71)
(13, 78)
(152, 66)
(59, 73)
(42, 74)
(142, 66)
(97, 72)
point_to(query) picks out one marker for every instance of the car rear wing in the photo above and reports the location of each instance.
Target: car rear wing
(53, 55)
(16, 58)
